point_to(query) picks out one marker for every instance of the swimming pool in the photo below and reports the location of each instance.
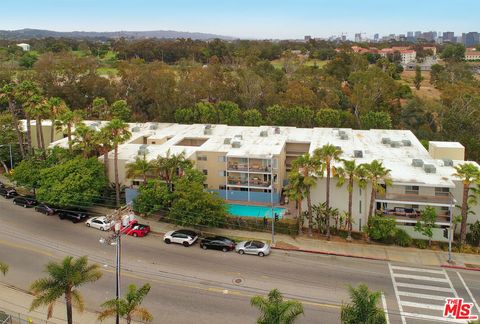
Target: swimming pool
(254, 211)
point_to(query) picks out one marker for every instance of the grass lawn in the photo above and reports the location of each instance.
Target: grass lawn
(427, 91)
(278, 64)
(107, 71)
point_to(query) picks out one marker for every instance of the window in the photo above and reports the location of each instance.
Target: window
(222, 173)
(360, 206)
(205, 172)
(275, 163)
(442, 192)
(222, 187)
(136, 183)
(411, 190)
(202, 158)
(153, 142)
(222, 158)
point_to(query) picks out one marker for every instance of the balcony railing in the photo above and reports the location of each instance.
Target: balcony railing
(253, 167)
(237, 182)
(237, 167)
(411, 215)
(417, 199)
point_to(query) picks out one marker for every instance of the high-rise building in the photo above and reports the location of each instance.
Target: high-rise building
(448, 36)
(418, 34)
(376, 37)
(307, 38)
(472, 39)
(358, 37)
(410, 34)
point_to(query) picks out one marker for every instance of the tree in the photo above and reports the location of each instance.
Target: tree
(68, 119)
(467, 173)
(379, 176)
(192, 205)
(119, 133)
(309, 168)
(7, 96)
(252, 117)
(128, 307)
(64, 278)
(453, 52)
(120, 110)
(100, 108)
(426, 223)
(274, 309)
(170, 166)
(296, 190)
(84, 140)
(474, 236)
(352, 173)
(417, 81)
(376, 120)
(328, 118)
(7, 138)
(77, 182)
(28, 94)
(153, 196)
(28, 59)
(141, 167)
(363, 308)
(56, 107)
(104, 145)
(327, 154)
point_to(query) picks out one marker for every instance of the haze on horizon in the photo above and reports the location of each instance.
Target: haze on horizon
(281, 19)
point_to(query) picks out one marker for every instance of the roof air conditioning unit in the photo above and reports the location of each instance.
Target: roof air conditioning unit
(386, 140)
(263, 133)
(135, 129)
(153, 126)
(238, 137)
(277, 130)
(207, 131)
(208, 126)
(406, 142)
(395, 144)
(429, 168)
(236, 144)
(418, 163)
(341, 132)
(448, 162)
(343, 136)
(143, 150)
(358, 153)
(227, 140)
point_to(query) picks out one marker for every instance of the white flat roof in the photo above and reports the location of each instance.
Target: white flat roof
(446, 144)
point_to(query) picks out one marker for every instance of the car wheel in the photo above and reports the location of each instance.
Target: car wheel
(102, 228)
(15, 203)
(241, 251)
(261, 254)
(224, 249)
(24, 206)
(135, 234)
(185, 244)
(204, 247)
(168, 241)
(88, 225)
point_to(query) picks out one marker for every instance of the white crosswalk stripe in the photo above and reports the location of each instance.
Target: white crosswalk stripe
(420, 293)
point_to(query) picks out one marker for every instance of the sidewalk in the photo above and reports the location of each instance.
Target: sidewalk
(355, 250)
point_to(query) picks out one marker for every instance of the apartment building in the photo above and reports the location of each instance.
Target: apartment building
(251, 164)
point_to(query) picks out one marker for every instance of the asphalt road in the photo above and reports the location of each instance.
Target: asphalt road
(192, 285)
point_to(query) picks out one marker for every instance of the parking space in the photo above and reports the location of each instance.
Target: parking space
(421, 293)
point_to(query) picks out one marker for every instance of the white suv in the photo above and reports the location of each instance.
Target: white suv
(102, 223)
(185, 237)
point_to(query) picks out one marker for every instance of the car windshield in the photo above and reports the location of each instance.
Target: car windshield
(258, 244)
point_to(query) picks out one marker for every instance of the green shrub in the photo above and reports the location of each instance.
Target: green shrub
(402, 238)
(381, 228)
(421, 244)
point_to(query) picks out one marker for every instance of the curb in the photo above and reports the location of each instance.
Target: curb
(459, 267)
(331, 253)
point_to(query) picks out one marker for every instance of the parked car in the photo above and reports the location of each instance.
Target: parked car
(253, 247)
(45, 209)
(26, 202)
(8, 192)
(72, 214)
(136, 229)
(217, 243)
(101, 222)
(185, 237)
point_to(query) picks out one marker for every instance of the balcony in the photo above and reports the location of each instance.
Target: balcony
(411, 215)
(261, 183)
(443, 201)
(249, 165)
(237, 182)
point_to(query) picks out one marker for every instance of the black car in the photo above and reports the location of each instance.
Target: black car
(45, 209)
(218, 243)
(74, 215)
(26, 202)
(8, 192)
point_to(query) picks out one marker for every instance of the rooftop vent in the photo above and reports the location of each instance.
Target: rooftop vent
(236, 144)
(143, 149)
(208, 126)
(227, 140)
(386, 140)
(135, 129)
(238, 137)
(343, 136)
(447, 162)
(341, 132)
(153, 126)
(406, 142)
(395, 144)
(277, 130)
(429, 168)
(263, 133)
(417, 163)
(358, 153)
(207, 131)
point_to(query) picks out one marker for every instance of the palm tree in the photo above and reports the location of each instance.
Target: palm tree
(104, 145)
(84, 140)
(56, 107)
(328, 154)
(276, 310)
(63, 280)
(129, 306)
(378, 176)
(296, 190)
(310, 169)
(167, 167)
(119, 133)
(141, 167)
(68, 119)
(363, 309)
(467, 173)
(7, 95)
(24, 93)
(353, 173)
(3, 268)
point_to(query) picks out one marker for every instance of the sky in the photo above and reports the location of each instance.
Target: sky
(264, 19)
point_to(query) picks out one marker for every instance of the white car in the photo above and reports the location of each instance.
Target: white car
(185, 237)
(253, 247)
(102, 223)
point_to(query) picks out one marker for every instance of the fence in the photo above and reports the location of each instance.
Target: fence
(10, 317)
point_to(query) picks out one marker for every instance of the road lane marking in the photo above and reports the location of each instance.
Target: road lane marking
(450, 283)
(385, 310)
(469, 292)
(27, 248)
(416, 269)
(400, 308)
(425, 296)
(421, 305)
(432, 318)
(425, 287)
(423, 278)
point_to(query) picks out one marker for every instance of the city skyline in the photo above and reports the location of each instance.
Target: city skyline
(249, 19)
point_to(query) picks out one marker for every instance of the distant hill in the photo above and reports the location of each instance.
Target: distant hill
(167, 34)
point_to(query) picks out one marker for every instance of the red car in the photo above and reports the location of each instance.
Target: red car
(136, 229)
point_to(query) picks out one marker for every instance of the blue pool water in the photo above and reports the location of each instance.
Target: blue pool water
(254, 211)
